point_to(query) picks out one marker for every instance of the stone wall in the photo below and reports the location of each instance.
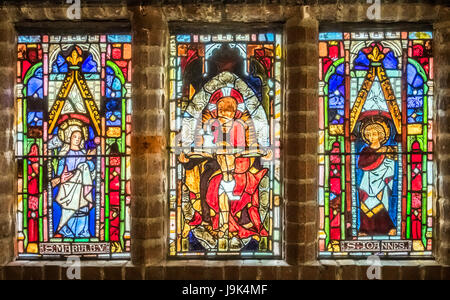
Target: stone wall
(150, 22)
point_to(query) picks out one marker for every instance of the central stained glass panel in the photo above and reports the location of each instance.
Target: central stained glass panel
(225, 110)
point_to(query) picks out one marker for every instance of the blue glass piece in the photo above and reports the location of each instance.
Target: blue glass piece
(39, 73)
(418, 81)
(30, 117)
(34, 84)
(194, 244)
(342, 90)
(326, 36)
(109, 71)
(57, 76)
(60, 65)
(29, 39)
(262, 37)
(253, 245)
(113, 94)
(270, 37)
(116, 85)
(92, 76)
(187, 115)
(361, 68)
(119, 38)
(334, 82)
(336, 101)
(109, 80)
(410, 90)
(184, 38)
(112, 105)
(40, 93)
(390, 61)
(362, 59)
(415, 102)
(335, 117)
(89, 65)
(91, 133)
(340, 69)
(113, 118)
(411, 73)
(35, 118)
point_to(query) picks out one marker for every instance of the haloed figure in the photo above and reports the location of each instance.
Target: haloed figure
(75, 173)
(232, 193)
(377, 163)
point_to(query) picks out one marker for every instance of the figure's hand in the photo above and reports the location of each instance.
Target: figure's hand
(66, 176)
(182, 158)
(268, 155)
(56, 181)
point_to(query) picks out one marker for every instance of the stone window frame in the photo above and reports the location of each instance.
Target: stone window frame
(150, 32)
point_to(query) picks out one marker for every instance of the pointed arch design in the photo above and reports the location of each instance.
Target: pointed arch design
(376, 69)
(74, 76)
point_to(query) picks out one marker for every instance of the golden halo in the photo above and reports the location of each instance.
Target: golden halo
(68, 127)
(378, 121)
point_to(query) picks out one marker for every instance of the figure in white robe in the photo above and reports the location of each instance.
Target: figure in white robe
(76, 172)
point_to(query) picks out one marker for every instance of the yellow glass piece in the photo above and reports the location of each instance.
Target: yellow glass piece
(32, 248)
(418, 245)
(415, 128)
(191, 91)
(113, 132)
(336, 129)
(197, 205)
(184, 245)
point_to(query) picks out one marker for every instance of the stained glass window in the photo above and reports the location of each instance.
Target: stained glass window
(225, 107)
(375, 151)
(73, 145)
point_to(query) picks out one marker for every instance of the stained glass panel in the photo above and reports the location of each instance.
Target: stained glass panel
(225, 108)
(73, 146)
(375, 147)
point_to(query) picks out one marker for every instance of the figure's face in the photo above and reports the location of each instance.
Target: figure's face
(75, 139)
(226, 110)
(373, 136)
